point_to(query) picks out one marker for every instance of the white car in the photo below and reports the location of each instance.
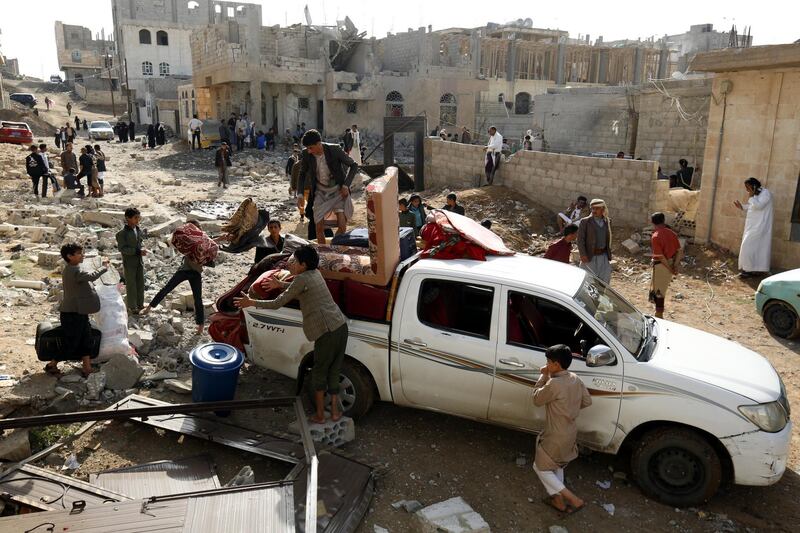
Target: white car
(100, 130)
(468, 338)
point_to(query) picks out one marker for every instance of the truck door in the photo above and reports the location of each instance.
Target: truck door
(529, 323)
(446, 345)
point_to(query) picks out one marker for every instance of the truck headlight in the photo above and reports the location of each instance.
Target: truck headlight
(770, 417)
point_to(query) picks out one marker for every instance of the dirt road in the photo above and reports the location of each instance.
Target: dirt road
(431, 457)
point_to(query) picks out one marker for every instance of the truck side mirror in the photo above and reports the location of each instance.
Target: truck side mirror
(600, 355)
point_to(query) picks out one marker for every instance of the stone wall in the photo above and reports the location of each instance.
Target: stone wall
(761, 139)
(402, 51)
(630, 188)
(584, 120)
(664, 134)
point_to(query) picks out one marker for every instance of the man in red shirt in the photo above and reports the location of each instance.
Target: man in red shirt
(666, 256)
(562, 248)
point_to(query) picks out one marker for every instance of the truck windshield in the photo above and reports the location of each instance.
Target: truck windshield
(613, 312)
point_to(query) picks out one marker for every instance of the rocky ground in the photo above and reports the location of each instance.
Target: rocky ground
(423, 456)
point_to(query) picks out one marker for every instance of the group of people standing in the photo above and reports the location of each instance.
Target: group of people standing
(125, 131)
(91, 164)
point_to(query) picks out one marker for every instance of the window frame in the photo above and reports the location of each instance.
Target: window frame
(162, 71)
(303, 102)
(159, 34)
(143, 32)
(462, 284)
(147, 65)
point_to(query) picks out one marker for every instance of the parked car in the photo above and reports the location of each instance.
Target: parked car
(778, 303)
(55, 79)
(100, 130)
(24, 98)
(15, 132)
(468, 338)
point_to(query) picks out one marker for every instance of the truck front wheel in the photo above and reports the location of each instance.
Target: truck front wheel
(676, 466)
(356, 389)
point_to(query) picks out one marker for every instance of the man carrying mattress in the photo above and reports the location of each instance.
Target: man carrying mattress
(329, 199)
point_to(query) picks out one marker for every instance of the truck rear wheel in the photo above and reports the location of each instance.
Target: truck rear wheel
(356, 389)
(676, 466)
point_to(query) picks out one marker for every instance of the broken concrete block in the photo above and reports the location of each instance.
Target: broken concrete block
(65, 403)
(15, 445)
(166, 228)
(451, 516)
(5, 272)
(178, 305)
(104, 217)
(141, 340)
(161, 375)
(48, 259)
(211, 226)
(181, 387)
(95, 384)
(330, 433)
(27, 284)
(631, 246)
(122, 372)
(188, 299)
(177, 324)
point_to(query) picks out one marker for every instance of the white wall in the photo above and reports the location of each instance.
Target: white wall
(178, 53)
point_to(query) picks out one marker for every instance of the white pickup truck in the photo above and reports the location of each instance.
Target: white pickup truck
(468, 337)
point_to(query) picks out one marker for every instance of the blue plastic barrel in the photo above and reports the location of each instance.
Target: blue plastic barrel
(215, 372)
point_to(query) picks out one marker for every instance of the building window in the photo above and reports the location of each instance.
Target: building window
(147, 68)
(79, 78)
(193, 5)
(76, 56)
(352, 107)
(447, 110)
(162, 39)
(144, 37)
(394, 104)
(522, 104)
(217, 9)
(230, 12)
(303, 103)
(241, 11)
(163, 69)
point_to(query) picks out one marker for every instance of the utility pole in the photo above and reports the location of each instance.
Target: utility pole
(107, 58)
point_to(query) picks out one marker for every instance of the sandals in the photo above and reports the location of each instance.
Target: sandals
(52, 370)
(550, 502)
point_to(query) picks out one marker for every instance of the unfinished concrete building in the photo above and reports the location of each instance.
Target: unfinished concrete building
(331, 76)
(154, 49)
(703, 38)
(83, 57)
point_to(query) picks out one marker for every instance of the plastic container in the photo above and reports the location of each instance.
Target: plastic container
(215, 373)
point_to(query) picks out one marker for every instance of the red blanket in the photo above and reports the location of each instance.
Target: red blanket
(193, 242)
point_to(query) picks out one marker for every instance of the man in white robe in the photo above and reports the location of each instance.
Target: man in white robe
(355, 153)
(754, 254)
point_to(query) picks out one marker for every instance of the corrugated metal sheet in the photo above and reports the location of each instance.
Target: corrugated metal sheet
(258, 511)
(127, 517)
(49, 491)
(265, 510)
(160, 478)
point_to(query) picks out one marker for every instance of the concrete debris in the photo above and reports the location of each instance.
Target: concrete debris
(65, 403)
(378, 529)
(161, 375)
(450, 516)
(631, 246)
(95, 384)
(608, 507)
(141, 340)
(165, 228)
(557, 529)
(15, 445)
(246, 476)
(5, 272)
(177, 386)
(71, 463)
(104, 217)
(27, 284)
(411, 506)
(122, 372)
(49, 259)
(74, 377)
(605, 485)
(330, 433)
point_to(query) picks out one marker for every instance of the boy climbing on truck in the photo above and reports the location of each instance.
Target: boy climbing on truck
(323, 323)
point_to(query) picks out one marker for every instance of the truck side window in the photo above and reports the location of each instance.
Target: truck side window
(453, 306)
(538, 323)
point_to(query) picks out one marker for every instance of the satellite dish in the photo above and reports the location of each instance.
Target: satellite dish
(308, 15)
(528, 23)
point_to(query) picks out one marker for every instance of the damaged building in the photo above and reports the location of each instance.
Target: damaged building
(154, 52)
(332, 76)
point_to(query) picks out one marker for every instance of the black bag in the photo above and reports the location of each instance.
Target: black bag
(50, 342)
(355, 237)
(408, 243)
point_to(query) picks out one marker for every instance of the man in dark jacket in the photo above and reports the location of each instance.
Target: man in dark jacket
(222, 160)
(347, 141)
(452, 204)
(36, 168)
(132, 131)
(594, 241)
(324, 164)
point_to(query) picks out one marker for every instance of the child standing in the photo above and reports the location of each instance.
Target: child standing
(407, 218)
(418, 210)
(563, 395)
(129, 244)
(193, 273)
(79, 301)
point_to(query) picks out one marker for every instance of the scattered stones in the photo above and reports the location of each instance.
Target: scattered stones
(64, 403)
(557, 529)
(177, 386)
(411, 506)
(122, 372)
(450, 516)
(15, 445)
(95, 384)
(162, 375)
(631, 245)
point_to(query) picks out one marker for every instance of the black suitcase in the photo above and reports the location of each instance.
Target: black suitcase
(50, 342)
(408, 243)
(355, 237)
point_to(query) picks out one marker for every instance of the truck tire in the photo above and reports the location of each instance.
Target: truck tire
(781, 319)
(676, 466)
(357, 389)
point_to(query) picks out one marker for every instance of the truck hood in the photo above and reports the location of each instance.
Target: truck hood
(705, 357)
(789, 275)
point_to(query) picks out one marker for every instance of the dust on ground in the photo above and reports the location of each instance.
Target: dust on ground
(426, 456)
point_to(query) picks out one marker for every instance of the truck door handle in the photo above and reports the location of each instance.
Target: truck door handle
(414, 342)
(511, 362)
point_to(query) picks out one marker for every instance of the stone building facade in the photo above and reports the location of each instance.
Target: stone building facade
(753, 130)
(82, 57)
